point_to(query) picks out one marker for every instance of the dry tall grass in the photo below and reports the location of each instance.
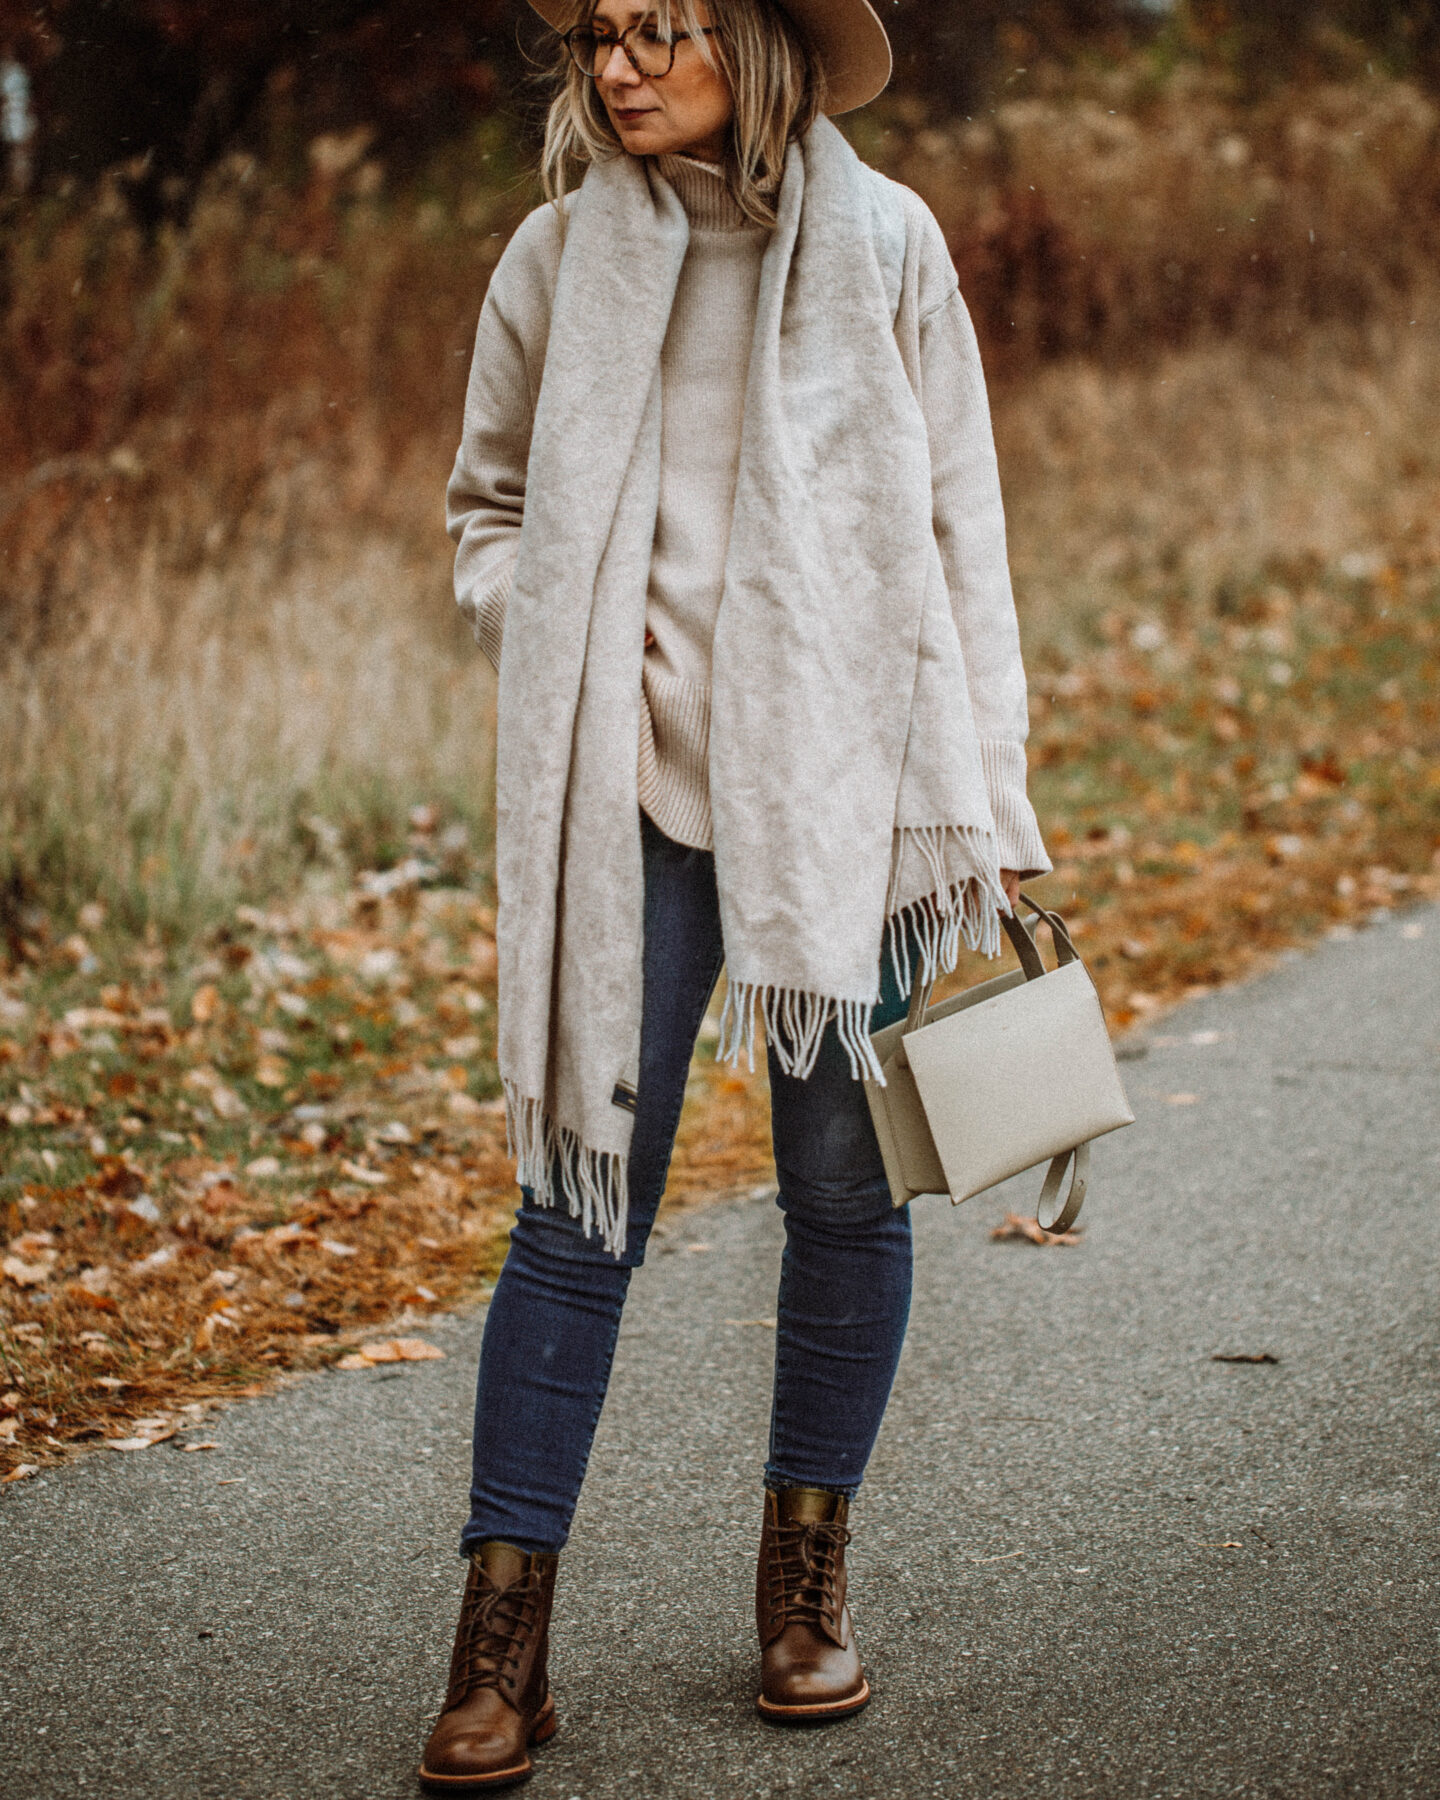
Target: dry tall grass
(1181, 486)
(199, 739)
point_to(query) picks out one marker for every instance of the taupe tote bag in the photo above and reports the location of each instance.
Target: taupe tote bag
(998, 1079)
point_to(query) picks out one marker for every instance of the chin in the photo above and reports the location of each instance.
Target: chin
(645, 140)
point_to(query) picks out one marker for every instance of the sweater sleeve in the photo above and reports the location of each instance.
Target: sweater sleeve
(485, 499)
(970, 531)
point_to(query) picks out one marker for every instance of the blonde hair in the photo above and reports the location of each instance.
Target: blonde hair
(776, 83)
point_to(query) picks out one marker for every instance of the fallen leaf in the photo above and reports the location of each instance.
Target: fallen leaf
(157, 1259)
(357, 1172)
(205, 1003)
(280, 1235)
(1182, 1099)
(354, 1361)
(147, 1442)
(22, 1472)
(93, 1018)
(1031, 1231)
(392, 1350)
(88, 1297)
(1259, 1356)
(263, 1165)
(335, 1248)
(466, 1106)
(270, 1072)
(28, 1274)
(8, 1430)
(227, 1103)
(208, 1445)
(217, 1319)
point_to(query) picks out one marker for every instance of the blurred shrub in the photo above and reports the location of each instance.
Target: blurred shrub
(257, 374)
(1115, 213)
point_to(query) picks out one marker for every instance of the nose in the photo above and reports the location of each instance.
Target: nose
(618, 68)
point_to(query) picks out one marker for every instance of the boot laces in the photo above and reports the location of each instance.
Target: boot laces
(494, 1634)
(807, 1563)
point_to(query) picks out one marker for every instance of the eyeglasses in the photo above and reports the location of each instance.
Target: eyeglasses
(651, 55)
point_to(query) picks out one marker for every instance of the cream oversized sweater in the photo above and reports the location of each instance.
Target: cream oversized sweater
(703, 366)
(704, 363)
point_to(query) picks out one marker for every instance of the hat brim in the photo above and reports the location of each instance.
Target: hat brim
(846, 35)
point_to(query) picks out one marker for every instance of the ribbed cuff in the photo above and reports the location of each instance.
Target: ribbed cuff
(1017, 833)
(486, 612)
(675, 759)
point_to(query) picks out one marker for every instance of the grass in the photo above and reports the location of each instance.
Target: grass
(203, 740)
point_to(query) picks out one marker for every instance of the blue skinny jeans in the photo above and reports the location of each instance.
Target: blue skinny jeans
(844, 1297)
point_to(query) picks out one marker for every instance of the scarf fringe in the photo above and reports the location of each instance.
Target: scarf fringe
(594, 1183)
(795, 1022)
(952, 913)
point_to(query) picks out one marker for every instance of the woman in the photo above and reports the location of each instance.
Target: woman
(726, 491)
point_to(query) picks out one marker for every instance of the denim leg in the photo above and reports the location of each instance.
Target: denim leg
(555, 1315)
(845, 1274)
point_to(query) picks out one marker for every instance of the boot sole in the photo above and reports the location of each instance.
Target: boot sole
(546, 1725)
(819, 1713)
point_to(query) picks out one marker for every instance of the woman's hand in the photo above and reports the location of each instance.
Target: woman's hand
(1010, 881)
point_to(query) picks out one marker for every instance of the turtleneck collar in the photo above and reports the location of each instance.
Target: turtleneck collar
(702, 190)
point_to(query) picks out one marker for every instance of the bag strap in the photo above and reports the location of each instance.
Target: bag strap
(1075, 1199)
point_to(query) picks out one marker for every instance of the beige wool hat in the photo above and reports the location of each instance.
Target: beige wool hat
(846, 35)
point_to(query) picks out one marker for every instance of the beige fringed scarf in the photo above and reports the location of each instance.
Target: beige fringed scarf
(845, 774)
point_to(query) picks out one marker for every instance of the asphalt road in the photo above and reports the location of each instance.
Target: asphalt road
(1089, 1559)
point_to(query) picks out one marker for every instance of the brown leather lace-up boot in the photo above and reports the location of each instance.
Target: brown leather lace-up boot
(498, 1702)
(810, 1665)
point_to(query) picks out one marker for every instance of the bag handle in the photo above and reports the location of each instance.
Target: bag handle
(1023, 939)
(1077, 1161)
